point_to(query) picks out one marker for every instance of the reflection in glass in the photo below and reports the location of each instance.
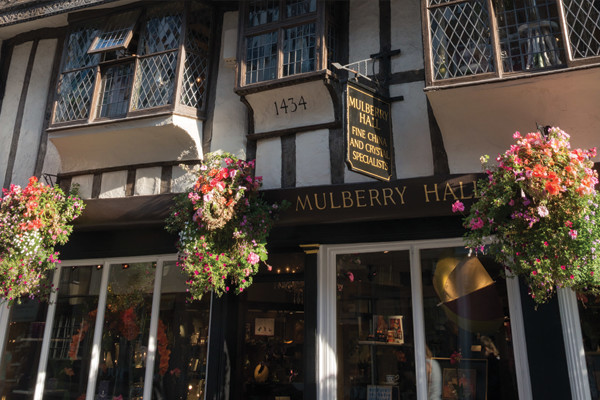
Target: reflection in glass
(21, 355)
(182, 340)
(467, 327)
(589, 314)
(125, 332)
(374, 324)
(67, 370)
(273, 332)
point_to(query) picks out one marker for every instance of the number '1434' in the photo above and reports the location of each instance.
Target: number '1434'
(289, 105)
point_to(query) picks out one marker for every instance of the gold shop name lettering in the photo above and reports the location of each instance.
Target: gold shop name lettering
(383, 197)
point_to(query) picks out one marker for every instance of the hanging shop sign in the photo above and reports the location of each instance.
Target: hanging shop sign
(368, 133)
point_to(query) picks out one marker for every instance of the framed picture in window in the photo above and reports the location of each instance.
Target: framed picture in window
(466, 379)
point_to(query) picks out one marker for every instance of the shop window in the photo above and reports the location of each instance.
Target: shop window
(273, 361)
(127, 63)
(22, 347)
(73, 327)
(589, 314)
(181, 340)
(125, 331)
(280, 39)
(375, 344)
(469, 349)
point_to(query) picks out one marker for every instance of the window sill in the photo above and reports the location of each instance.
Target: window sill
(283, 82)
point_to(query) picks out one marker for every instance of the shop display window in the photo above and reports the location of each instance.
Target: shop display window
(125, 332)
(181, 339)
(375, 346)
(589, 314)
(23, 343)
(73, 326)
(273, 330)
(469, 349)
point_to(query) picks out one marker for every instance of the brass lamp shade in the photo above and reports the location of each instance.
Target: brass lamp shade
(468, 294)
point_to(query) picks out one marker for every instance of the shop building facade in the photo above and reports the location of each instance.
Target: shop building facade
(372, 293)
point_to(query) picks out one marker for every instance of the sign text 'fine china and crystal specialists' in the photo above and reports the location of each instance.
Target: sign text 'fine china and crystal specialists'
(368, 133)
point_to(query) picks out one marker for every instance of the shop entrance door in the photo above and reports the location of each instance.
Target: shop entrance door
(271, 329)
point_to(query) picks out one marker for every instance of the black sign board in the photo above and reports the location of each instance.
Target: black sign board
(368, 133)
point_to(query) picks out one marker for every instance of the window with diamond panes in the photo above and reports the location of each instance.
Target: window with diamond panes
(583, 26)
(280, 37)
(129, 62)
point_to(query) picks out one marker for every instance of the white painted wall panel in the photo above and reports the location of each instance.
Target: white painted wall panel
(85, 183)
(229, 118)
(10, 103)
(406, 35)
(268, 162)
(410, 123)
(181, 180)
(312, 158)
(363, 29)
(35, 107)
(147, 181)
(113, 184)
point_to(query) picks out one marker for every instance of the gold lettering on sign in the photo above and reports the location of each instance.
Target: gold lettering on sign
(374, 196)
(360, 198)
(428, 192)
(347, 196)
(449, 190)
(317, 202)
(333, 206)
(462, 193)
(387, 194)
(401, 193)
(299, 203)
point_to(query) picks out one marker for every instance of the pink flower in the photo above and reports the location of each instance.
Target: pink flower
(476, 223)
(253, 258)
(458, 206)
(573, 234)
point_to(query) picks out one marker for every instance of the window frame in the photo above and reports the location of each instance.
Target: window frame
(174, 105)
(495, 59)
(327, 314)
(319, 17)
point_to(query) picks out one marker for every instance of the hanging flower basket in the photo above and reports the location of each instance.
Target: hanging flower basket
(223, 224)
(33, 221)
(538, 214)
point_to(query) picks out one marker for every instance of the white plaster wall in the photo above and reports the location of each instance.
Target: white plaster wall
(147, 181)
(312, 158)
(182, 179)
(85, 183)
(363, 29)
(229, 118)
(10, 104)
(410, 124)
(268, 162)
(35, 107)
(406, 35)
(113, 184)
(51, 160)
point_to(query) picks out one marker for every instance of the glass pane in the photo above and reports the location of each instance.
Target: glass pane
(299, 50)
(182, 340)
(125, 331)
(163, 30)
(374, 323)
(273, 332)
(72, 333)
(529, 34)
(467, 327)
(74, 95)
(79, 42)
(155, 81)
(589, 315)
(116, 32)
(21, 356)
(193, 86)
(263, 12)
(460, 40)
(295, 8)
(115, 88)
(583, 21)
(261, 57)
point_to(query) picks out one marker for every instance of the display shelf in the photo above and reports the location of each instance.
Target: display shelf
(377, 343)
